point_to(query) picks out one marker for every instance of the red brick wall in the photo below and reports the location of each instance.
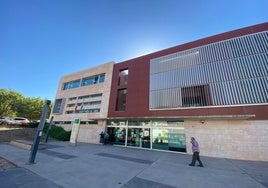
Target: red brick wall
(137, 104)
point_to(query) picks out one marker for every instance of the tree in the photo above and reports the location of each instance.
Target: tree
(31, 108)
(15, 104)
(9, 102)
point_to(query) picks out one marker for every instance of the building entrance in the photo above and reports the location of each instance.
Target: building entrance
(139, 137)
(152, 135)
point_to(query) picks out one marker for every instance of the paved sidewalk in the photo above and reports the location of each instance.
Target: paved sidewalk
(98, 166)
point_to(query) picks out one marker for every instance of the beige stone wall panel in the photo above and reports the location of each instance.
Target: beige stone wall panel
(90, 133)
(236, 139)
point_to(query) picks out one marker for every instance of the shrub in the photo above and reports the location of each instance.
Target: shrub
(58, 133)
(34, 124)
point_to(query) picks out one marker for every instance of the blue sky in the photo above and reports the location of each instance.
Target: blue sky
(43, 40)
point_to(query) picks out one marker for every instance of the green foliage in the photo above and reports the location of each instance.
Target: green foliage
(15, 104)
(35, 124)
(31, 108)
(32, 125)
(58, 133)
(9, 102)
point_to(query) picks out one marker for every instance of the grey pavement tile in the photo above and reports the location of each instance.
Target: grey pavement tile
(255, 169)
(22, 178)
(142, 183)
(57, 154)
(52, 146)
(125, 158)
(186, 176)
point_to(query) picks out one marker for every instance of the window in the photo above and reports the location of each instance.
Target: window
(62, 122)
(121, 100)
(93, 80)
(70, 105)
(169, 139)
(84, 97)
(58, 106)
(71, 85)
(83, 104)
(91, 122)
(96, 95)
(85, 81)
(72, 98)
(195, 96)
(95, 103)
(123, 77)
(101, 78)
(88, 81)
(96, 110)
(69, 112)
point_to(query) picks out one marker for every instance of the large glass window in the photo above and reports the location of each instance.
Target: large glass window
(84, 81)
(195, 96)
(121, 100)
(71, 85)
(93, 80)
(101, 78)
(123, 77)
(139, 137)
(88, 81)
(169, 139)
(117, 135)
(58, 106)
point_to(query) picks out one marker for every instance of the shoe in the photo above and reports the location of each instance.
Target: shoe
(200, 165)
(191, 165)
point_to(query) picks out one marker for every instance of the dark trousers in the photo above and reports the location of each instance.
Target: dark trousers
(196, 157)
(105, 141)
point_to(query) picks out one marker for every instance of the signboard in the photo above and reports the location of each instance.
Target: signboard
(74, 133)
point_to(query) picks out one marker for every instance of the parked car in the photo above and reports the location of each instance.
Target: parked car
(17, 121)
(3, 120)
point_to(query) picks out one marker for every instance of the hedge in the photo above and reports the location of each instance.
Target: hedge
(58, 132)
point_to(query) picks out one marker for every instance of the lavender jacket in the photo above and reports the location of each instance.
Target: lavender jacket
(195, 146)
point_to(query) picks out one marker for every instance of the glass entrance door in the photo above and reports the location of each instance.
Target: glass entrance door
(157, 135)
(138, 137)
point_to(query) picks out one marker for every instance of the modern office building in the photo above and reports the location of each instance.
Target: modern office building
(215, 89)
(84, 95)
